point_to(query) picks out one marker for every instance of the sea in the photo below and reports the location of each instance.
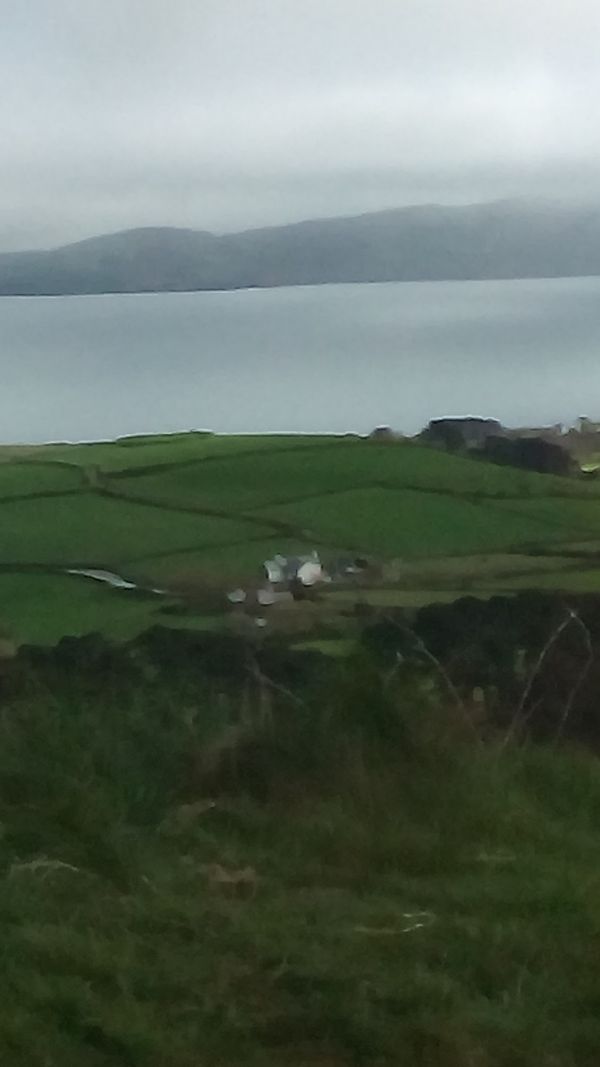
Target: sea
(330, 358)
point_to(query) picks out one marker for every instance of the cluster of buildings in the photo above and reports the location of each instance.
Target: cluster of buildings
(286, 579)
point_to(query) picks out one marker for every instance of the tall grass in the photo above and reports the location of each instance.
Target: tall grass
(409, 895)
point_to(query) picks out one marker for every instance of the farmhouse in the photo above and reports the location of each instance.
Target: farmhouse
(276, 569)
(284, 577)
(281, 570)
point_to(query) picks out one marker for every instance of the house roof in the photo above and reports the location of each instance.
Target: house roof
(285, 568)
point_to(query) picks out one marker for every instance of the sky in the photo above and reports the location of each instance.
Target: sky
(230, 114)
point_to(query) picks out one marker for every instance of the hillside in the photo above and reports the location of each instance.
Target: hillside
(194, 870)
(226, 847)
(507, 239)
(196, 515)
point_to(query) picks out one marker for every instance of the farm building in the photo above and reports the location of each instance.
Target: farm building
(283, 576)
(282, 570)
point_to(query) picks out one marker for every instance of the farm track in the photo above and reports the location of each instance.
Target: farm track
(582, 562)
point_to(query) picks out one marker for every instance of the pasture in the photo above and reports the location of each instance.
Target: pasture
(200, 511)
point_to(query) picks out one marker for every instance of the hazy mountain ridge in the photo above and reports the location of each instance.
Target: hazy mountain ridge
(506, 239)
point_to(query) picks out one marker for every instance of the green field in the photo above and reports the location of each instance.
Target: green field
(416, 524)
(42, 608)
(202, 508)
(277, 475)
(92, 529)
(22, 479)
(580, 580)
(163, 449)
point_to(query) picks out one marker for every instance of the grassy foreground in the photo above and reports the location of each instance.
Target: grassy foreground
(191, 877)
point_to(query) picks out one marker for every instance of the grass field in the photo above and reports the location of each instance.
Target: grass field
(42, 608)
(401, 902)
(22, 479)
(94, 529)
(419, 524)
(200, 507)
(581, 580)
(163, 450)
(277, 474)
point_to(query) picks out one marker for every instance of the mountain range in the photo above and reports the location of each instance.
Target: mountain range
(504, 239)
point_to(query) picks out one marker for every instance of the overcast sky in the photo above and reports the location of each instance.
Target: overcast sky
(226, 114)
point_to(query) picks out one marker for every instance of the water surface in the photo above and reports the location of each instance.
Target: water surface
(316, 358)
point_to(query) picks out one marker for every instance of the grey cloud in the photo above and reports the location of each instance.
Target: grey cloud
(226, 113)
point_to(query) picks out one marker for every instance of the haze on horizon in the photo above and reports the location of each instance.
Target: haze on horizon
(230, 114)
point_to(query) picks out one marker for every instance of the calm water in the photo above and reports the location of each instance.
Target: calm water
(344, 357)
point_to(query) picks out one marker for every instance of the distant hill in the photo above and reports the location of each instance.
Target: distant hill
(506, 239)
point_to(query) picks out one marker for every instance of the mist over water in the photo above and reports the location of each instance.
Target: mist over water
(322, 358)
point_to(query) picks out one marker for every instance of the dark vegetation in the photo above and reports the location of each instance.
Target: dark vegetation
(529, 453)
(487, 439)
(534, 654)
(221, 852)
